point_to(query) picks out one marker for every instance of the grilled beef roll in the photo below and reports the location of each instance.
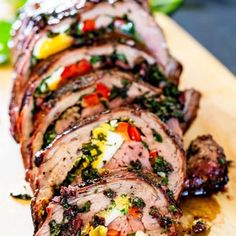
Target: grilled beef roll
(124, 208)
(207, 167)
(72, 66)
(46, 29)
(122, 137)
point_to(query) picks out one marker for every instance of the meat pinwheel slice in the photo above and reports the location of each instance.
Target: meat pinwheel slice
(207, 167)
(117, 204)
(43, 34)
(90, 95)
(122, 137)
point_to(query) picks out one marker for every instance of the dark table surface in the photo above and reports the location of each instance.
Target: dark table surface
(213, 24)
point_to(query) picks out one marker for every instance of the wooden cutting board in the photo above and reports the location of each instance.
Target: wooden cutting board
(217, 116)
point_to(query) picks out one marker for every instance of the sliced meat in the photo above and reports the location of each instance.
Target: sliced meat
(139, 140)
(124, 207)
(207, 167)
(34, 28)
(191, 100)
(108, 54)
(66, 107)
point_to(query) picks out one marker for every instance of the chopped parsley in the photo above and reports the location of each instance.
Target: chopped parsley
(157, 136)
(49, 136)
(55, 228)
(138, 202)
(90, 151)
(222, 161)
(101, 137)
(170, 193)
(165, 221)
(110, 193)
(42, 89)
(120, 92)
(96, 59)
(136, 165)
(121, 57)
(154, 212)
(89, 174)
(85, 207)
(161, 165)
(172, 208)
(145, 145)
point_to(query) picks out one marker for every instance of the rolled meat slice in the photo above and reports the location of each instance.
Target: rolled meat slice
(120, 195)
(43, 34)
(122, 137)
(90, 95)
(124, 208)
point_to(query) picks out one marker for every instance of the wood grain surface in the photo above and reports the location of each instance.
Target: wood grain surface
(217, 116)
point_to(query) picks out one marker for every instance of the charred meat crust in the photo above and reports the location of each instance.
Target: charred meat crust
(207, 168)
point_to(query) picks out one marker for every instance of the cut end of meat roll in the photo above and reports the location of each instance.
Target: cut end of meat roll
(207, 167)
(124, 208)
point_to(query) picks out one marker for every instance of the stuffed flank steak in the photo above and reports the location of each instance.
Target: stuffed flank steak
(99, 114)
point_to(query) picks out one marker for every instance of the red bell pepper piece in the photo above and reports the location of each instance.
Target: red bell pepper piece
(84, 67)
(81, 68)
(134, 133)
(123, 128)
(69, 72)
(103, 90)
(113, 232)
(153, 153)
(135, 212)
(89, 25)
(90, 100)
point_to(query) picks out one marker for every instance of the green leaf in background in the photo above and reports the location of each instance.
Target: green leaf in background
(5, 28)
(165, 6)
(16, 4)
